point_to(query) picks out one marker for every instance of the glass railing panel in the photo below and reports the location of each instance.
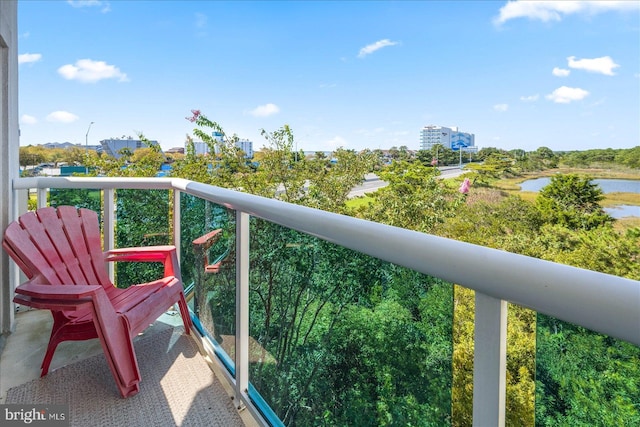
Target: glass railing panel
(584, 378)
(208, 270)
(142, 219)
(341, 338)
(78, 197)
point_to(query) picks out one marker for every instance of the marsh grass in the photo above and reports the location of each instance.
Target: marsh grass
(623, 224)
(612, 199)
(512, 186)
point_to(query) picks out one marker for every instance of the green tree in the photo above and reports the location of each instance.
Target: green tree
(485, 152)
(584, 378)
(573, 202)
(31, 156)
(629, 157)
(494, 166)
(78, 156)
(320, 182)
(415, 198)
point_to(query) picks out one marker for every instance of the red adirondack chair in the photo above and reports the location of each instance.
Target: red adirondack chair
(60, 251)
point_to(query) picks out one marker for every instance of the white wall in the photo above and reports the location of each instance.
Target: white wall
(9, 146)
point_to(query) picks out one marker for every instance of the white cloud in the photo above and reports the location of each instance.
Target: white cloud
(530, 98)
(90, 71)
(603, 65)
(265, 110)
(28, 120)
(565, 95)
(501, 107)
(549, 10)
(62, 117)
(560, 72)
(370, 48)
(104, 5)
(29, 57)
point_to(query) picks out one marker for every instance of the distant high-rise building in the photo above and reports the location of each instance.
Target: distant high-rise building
(200, 148)
(113, 146)
(244, 144)
(447, 137)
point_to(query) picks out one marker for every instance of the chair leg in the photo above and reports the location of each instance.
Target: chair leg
(64, 330)
(54, 340)
(184, 312)
(48, 356)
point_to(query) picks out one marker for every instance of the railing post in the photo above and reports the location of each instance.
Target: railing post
(489, 361)
(177, 235)
(108, 225)
(242, 306)
(41, 194)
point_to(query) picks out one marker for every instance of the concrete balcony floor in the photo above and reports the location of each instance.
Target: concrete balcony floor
(24, 349)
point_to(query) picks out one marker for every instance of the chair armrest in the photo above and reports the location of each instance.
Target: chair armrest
(208, 239)
(165, 254)
(140, 254)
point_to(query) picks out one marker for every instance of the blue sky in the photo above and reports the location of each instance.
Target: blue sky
(365, 74)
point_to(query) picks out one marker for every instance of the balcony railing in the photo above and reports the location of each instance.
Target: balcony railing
(603, 303)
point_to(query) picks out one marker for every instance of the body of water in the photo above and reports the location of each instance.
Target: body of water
(607, 186)
(623, 211)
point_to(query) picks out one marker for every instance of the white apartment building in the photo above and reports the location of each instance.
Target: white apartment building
(244, 144)
(448, 137)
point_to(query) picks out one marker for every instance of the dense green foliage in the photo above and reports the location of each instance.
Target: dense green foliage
(339, 338)
(625, 157)
(415, 198)
(572, 201)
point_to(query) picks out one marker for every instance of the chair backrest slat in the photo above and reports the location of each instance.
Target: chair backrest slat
(18, 243)
(48, 238)
(66, 243)
(76, 237)
(91, 227)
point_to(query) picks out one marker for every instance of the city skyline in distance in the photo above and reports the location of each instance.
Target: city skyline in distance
(342, 74)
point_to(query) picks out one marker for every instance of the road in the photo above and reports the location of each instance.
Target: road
(372, 182)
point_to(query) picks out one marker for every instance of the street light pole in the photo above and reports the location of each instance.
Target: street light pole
(86, 150)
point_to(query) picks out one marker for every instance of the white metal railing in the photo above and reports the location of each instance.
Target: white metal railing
(600, 302)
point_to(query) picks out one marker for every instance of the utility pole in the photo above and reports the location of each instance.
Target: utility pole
(86, 150)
